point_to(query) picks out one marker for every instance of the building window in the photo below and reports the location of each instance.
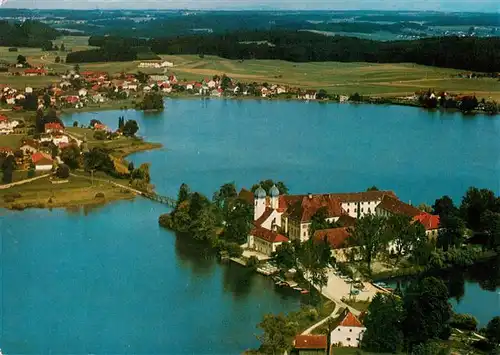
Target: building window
(304, 234)
(350, 330)
(348, 339)
(369, 210)
(355, 210)
(338, 329)
(361, 210)
(348, 211)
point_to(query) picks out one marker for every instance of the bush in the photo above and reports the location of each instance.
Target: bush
(75, 124)
(165, 220)
(99, 195)
(62, 171)
(233, 249)
(100, 135)
(12, 49)
(464, 322)
(50, 200)
(483, 345)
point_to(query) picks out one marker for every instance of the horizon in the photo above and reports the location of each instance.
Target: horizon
(446, 6)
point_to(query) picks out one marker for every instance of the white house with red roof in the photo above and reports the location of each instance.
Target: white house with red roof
(42, 161)
(349, 332)
(53, 127)
(7, 126)
(430, 222)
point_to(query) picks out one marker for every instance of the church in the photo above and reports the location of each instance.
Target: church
(280, 218)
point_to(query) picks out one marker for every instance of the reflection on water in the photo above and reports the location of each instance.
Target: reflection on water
(194, 255)
(238, 279)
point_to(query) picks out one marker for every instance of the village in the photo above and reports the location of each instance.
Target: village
(88, 89)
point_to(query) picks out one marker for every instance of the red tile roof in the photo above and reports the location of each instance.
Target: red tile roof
(303, 210)
(5, 150)
(346, 221)
(3, 118)
(268, 236)
(428, 220)
(362, 196)
(336, 237)
(35, 71)
(350, 320)
(54, 126)
(396, 206)
(267, 213)
(310, 342)
(41, 158)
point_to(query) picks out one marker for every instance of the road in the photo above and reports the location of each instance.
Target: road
(22, 182)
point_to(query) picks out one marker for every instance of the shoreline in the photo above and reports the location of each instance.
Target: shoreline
(79, 191)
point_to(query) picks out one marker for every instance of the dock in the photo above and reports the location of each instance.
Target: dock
(240, 261)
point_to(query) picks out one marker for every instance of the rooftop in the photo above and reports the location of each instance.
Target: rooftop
(310, 342)
(350, 320)
(305, 208)
(336, 237)
(396, 206)
(267, 235)
(428, 220)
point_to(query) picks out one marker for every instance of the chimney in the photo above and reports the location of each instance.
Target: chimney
(310, 196)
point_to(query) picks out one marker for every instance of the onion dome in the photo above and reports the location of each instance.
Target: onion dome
(274, 192)
(260, 192)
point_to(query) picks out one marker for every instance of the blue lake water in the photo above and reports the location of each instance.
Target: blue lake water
(109, 280)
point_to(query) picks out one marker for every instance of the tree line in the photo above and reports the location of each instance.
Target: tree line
(469, 53)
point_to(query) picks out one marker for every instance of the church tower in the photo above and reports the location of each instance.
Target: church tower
(275, 194)
(259, 203)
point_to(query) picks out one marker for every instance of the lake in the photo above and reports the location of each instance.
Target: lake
(109, 280)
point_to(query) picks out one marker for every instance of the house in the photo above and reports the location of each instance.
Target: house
(72, 100)
(216, 92)
(6, 126)
(29, 147)
(343, 98)
(265, 241)
(82, 92)
(101, 127)
(65, 84)
(189, 86)
(390, 206)
(60, 139)
(98, 98)
(6, 150)
(280, 90)
(42, 161)
(10, 100)
(211, 84)
(28, 90)
(310, 344)
(349, 332)
(430, 222)
(53, 127)
(264, 92)
(310, 95)
(35, 72)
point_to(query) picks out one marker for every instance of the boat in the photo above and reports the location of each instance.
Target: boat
(304, 292)
(297, 289)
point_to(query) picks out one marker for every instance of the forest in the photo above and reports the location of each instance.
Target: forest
(468, 53)
(27, 34)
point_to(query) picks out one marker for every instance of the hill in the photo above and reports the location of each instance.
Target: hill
(27, 34)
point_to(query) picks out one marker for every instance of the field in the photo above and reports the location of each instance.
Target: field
(77, 192)
(12, 141)
(335, 77)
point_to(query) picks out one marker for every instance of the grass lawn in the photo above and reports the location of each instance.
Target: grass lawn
(78, 191)
(12, 141)
(359, 305)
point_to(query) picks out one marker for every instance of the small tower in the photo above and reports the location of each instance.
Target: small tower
(259, 203)
(275, 194)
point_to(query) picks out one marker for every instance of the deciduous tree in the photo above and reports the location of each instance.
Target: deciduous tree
(384, 324)
(427, 311)
(277, 334)
(367, 236)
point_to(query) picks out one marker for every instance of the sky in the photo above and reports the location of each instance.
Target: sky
(416, 5)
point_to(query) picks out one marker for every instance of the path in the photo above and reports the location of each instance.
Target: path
(335, 314)
(137, 192)
(22, 182)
